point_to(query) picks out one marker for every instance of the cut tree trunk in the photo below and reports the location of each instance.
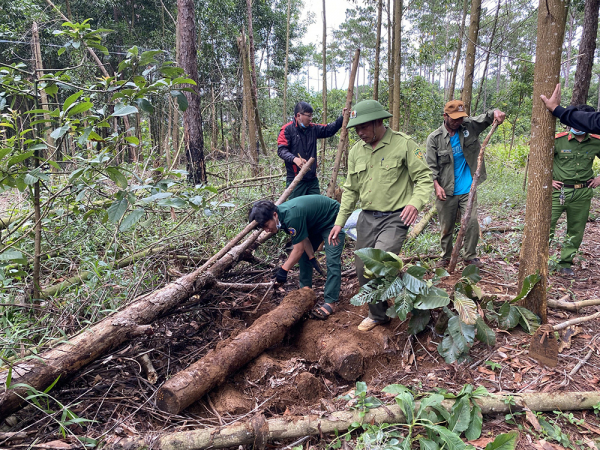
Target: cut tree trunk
(552, 16)
(467, 92)
(65, 359)
(191, 384)
(587, 47)
(343, 144)
(419, 227)
(293, 427)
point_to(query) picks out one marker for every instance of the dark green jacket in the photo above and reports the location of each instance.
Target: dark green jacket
(439, 151)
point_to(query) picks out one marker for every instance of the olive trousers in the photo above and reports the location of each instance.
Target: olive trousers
(447, 211)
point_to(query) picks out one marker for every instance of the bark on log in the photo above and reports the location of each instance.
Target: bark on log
(65, 359)
(281, 428)
(572, 306)
(192, 383)
(419, 227)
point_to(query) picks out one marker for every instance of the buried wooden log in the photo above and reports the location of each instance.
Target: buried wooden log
(293, 427)
(69, 357)
(194, 382)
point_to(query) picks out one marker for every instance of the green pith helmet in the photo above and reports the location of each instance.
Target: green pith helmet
(366, 111)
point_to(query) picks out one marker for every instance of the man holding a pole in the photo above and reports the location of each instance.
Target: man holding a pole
(387, 174)
(452, 152)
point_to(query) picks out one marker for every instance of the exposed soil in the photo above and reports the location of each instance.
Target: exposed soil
(295, 378)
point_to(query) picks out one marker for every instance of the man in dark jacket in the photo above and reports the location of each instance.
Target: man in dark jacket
(297, 143)
(571, 116)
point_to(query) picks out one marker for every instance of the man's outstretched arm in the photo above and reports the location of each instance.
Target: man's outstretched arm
(580, 120)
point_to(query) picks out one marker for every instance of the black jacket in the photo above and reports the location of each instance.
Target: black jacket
(294, 141)
(580, 120)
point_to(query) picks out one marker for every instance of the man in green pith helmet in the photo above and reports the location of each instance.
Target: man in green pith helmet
(572, 182)
(387, 173)
(308, 219)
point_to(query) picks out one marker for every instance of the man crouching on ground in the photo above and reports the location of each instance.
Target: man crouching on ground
(387, 174)
(308, 220)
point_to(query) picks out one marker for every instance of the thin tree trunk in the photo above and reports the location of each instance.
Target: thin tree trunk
(324, 92)
(377, 51)
(213, 125)
(248, 97)
(587, 47)
(39, 71)
(470, 55)
(390, 57)
(192, 116)
(569, 46)
(487, 57)
(395, 125)
(552, 16)
(287, 54)
(343, 144)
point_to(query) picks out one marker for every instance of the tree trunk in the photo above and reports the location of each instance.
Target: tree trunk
(214, 131)
(390, 57)
(293, 427)
(191, 384)
(343, 144)
(587, 47)
(395, 125)
(192, 117)
(552, 17)
(458, 52)
(487, 58)
(287, 54)
(377, 51)
(39, 71)
(247, 92)
(80, 350)
(467, 92)
(570, 37)
(324, 119)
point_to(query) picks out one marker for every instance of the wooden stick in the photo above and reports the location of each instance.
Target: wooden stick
(578, 320)
(467, 216)
(572, 306)
(419, 227)
(343, 144)
(293, 427)
(244, 287)
(581, 363)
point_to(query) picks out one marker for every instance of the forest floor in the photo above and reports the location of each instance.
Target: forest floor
(288, 379)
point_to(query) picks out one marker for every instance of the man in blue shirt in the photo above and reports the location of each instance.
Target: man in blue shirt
(452, 152)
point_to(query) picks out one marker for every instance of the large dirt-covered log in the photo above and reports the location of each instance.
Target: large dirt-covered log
(292, 427)
(90, 344)
(191, 384)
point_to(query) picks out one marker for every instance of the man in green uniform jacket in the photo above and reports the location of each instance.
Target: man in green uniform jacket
(392, 182)
(452, 152)
(308, 220)
(572, 178)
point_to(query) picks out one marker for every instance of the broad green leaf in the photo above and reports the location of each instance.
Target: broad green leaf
(368, 293)
(79, 108)
(60, 132)
(528, 320)
(393, 290)
(132, 140)
(158, 196)
(145, 106)
(18, 158)
(509, 316)
(173, 202)
(182, 101)
(474, 430)
(458, 339)
(528, 284)
(418, 321)
(432, 298)
(406, 402)
(484, 333)
(426, 444)
(148, 57)
(123, 110)
(413, 283)
(115, 175)
(416, 271)
(404, 304)
(71, 99)
(452, 440)
(361, 388)
(471, 272)
(375, 260)
(441, 272)
(131, 219)
(395, 389)
(10, 255)
(506, 441)
(466, 308)
(51, 89)
(460, 416)
(431, 401)
(117, 209)
(5, 151)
